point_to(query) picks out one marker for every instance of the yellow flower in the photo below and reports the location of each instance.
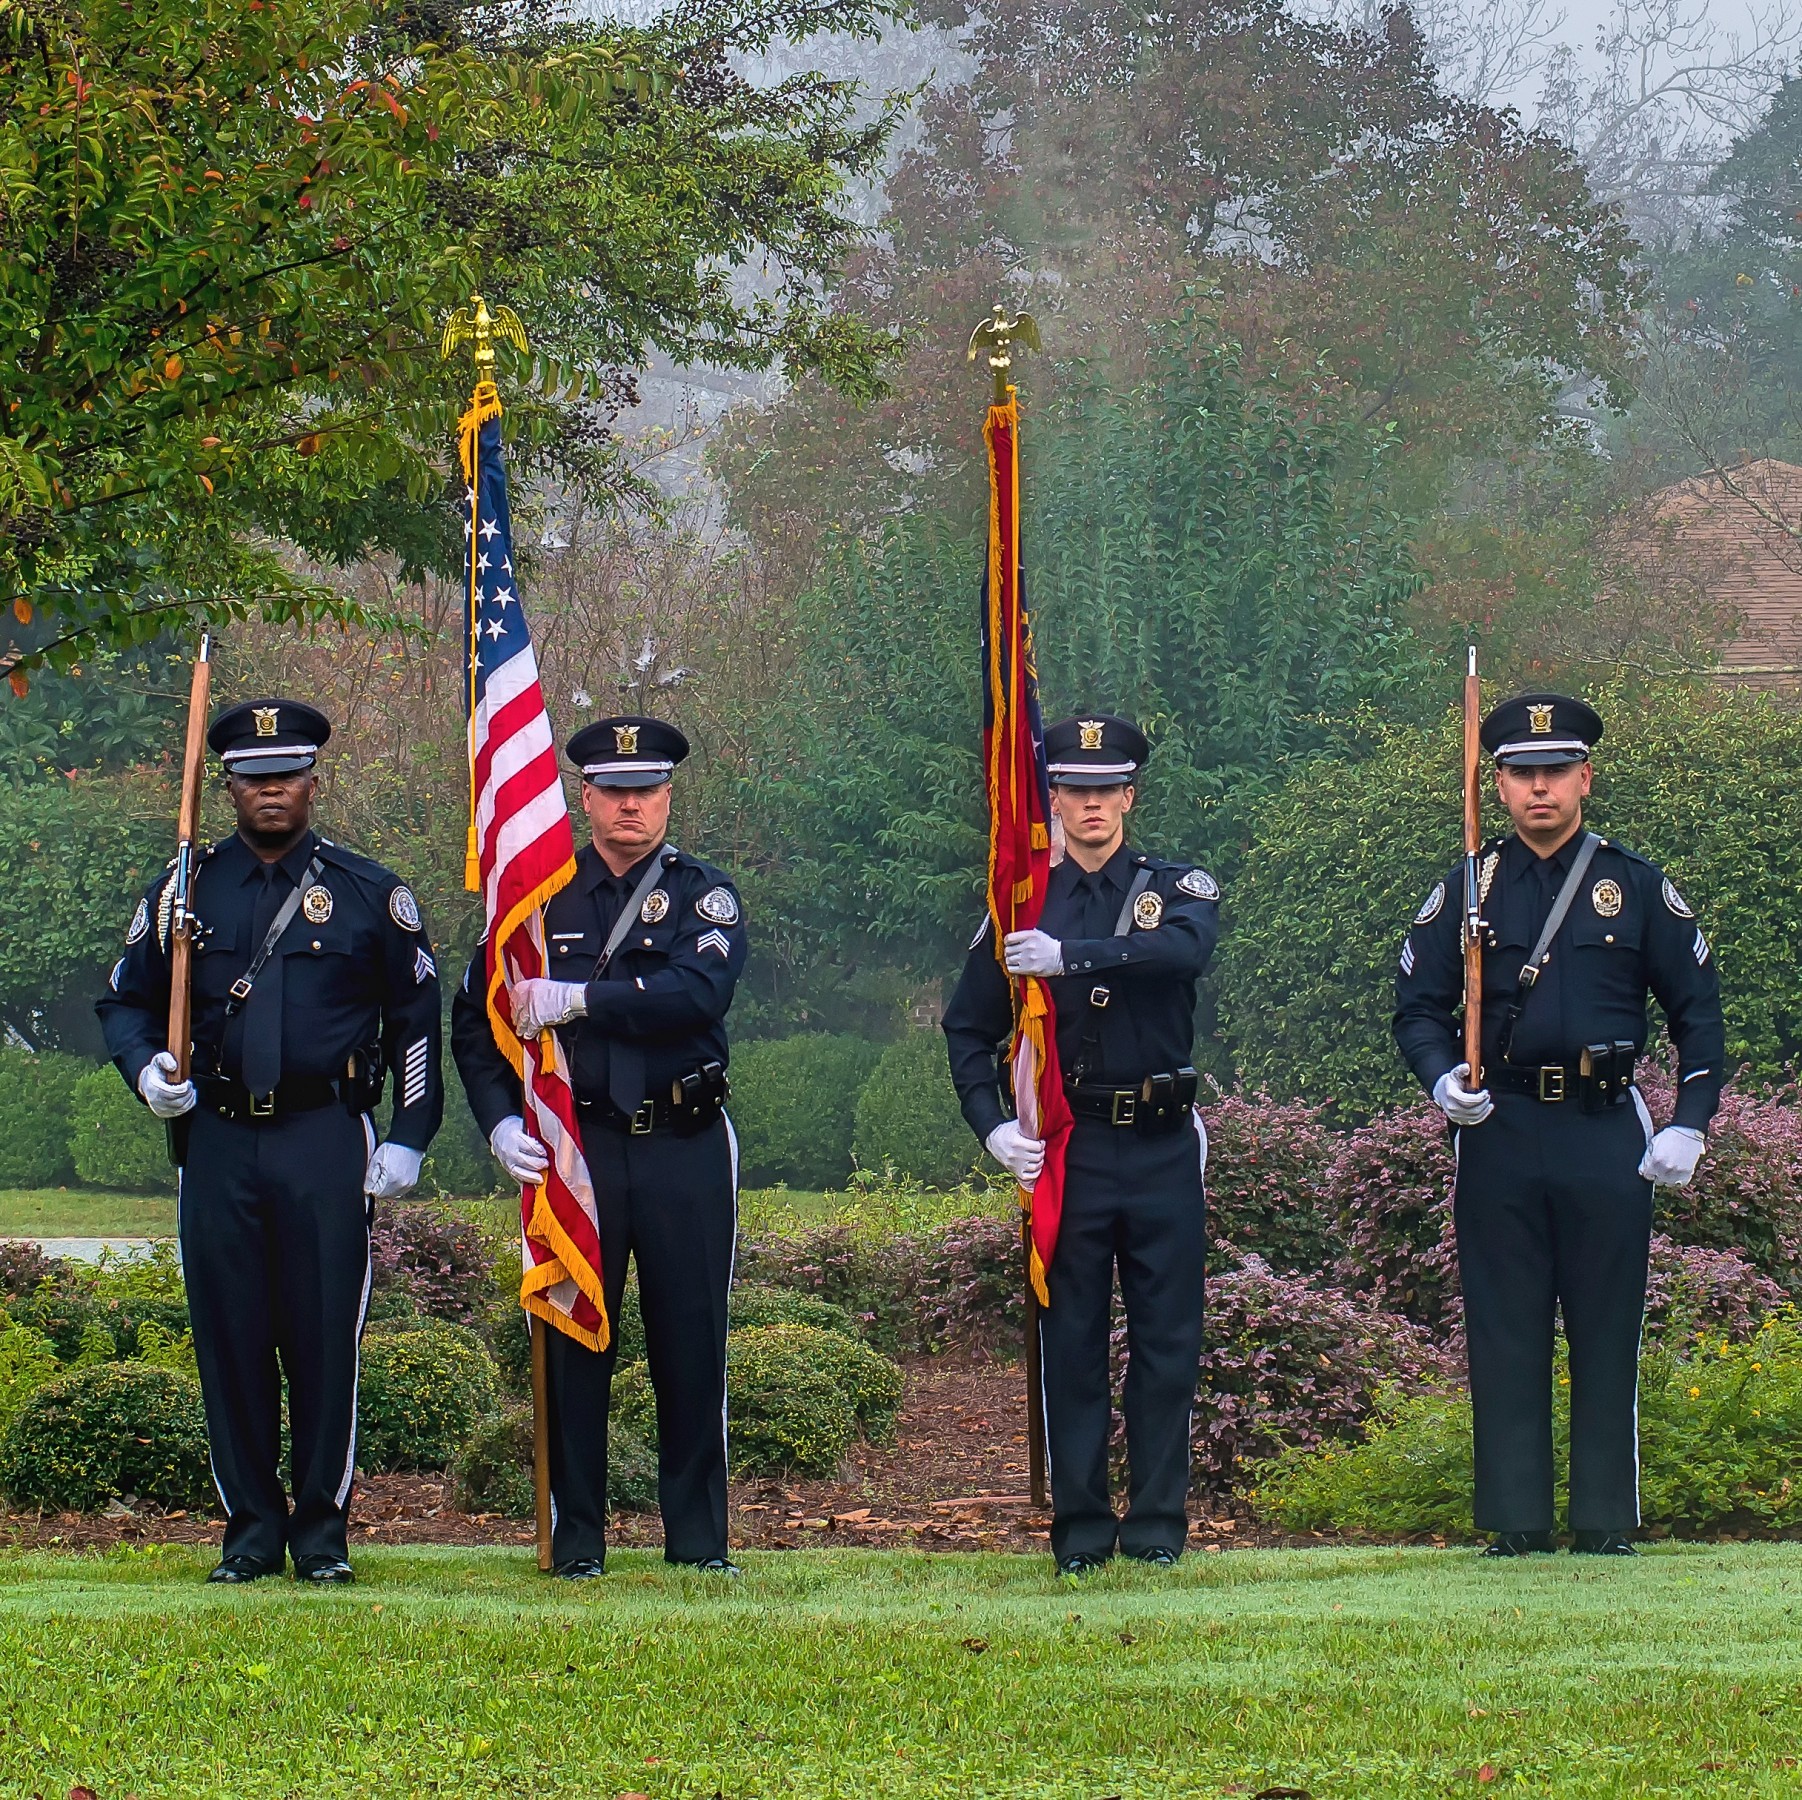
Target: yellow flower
(1695, 1393)
(1758, 1365)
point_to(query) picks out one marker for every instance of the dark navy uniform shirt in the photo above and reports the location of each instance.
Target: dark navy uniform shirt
(354, 975)
(664, 995)
(1148, 1024)
(1629, 932)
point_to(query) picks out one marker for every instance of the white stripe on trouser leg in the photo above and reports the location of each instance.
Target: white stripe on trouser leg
(356, 1371)
(731, 1270)
(1639, 1343)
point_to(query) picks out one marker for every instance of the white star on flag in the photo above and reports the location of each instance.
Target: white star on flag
(496, 628)
(503, 596)
(482, 563)
(489, 529)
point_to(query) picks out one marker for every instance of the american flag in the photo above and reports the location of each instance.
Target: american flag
(523, 852)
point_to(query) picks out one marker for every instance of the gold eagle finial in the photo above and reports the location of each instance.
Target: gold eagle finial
(998, 334)
(475, 323)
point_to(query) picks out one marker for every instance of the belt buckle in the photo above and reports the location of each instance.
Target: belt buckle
(1551, 1081)
(263, 1107)
(642, 1121)
(1126, 1106)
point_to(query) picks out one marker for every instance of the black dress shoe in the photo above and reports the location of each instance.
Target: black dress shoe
(325, 1571)
(1160, 1556)
(1602, 1543)
(580, 1568)
(1521, 1543)
(718, 1565)
(1082, 1562)
(235, 1569)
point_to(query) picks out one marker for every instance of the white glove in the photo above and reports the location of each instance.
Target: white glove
(1021, 1156)
(539, 1005)
(1462, 1105)
(165, 1097)
(516, 1150)
(1032, 953)
(392, 1171)
(1671, 1157)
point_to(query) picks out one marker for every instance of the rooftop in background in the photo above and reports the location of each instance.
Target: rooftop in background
(1743, 526)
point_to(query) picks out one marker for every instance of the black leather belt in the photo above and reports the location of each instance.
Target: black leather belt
(1158, 1103)
(694, 1101)
(296, 1094)
(1595, 1088)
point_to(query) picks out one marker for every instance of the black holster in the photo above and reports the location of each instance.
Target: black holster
(364, 1078)
(1605, 1074)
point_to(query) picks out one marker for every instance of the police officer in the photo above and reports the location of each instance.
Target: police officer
(1122, 938)
(647, 944)
(312, 977)
(1557, 1156)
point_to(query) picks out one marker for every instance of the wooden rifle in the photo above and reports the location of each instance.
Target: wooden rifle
(181, 908)
(1473, 886)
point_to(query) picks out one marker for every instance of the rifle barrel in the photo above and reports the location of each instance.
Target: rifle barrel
(181, 922)
(1473, 899)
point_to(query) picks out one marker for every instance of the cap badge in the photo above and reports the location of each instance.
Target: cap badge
(1089, 732)
(316, 903)
(1148, 911)
(403, 909)
(1606, 898)
(656, 906)
(1539, 720)
(625, 739)
(265, 717)
(719, 906)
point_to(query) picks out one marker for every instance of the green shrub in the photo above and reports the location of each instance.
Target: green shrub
(797, 1398)
(28, 1361)
(151, 1273)
(459, 1163)
(37, 1094)
(84, 1326)
(908, 1117)
(1343, 855)
(793, 1100)
(1720, 1445)
(493, 1471)
(98, 1433)
(753, 1306)
(115, 1140)
(421, 1392)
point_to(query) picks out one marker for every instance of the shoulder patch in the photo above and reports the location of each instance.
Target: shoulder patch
(982, 931)
(140, 923)
(1199, 883)
(1675, 900)
(719, 906)
(403, 909)
(1430, 907)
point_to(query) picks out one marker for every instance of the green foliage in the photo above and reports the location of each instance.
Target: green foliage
(229, 239)
(792, 1105)
(797, 1398)
(74, 857)
(1340, 859)
(97, 1433)
(420, 1393)
(160, 1348)
(36, 1096)
(754, 1306)
(149, 1274)
(1719, 1426)
(28, 1361)
(907, 1115)
(493, 1470)
(459, 1163)
(115, 1140)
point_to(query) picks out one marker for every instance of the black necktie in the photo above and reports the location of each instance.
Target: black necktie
(263, 1010)
(625, 1062)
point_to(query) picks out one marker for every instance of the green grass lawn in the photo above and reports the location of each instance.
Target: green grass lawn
(83, 1212)
(1347, 1673)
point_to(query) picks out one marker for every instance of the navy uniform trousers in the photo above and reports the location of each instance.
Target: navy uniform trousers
(275, 1252)
(1134, 1200)
(671, 1204)
(1551, 1212)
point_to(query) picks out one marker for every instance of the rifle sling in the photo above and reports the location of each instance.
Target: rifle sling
(240, 989)
(660, 865)
(1529, 970)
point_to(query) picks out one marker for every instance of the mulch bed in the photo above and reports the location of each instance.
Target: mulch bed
(955, 1479)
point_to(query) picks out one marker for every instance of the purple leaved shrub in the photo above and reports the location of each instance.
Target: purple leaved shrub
(1747, 1192)
(1392, 1181)
(972, 1289)
(24, 1268)
(433, 1259)
(1268, 1193)
(1690, 1288)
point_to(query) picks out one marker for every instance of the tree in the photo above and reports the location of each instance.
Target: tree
(229, 233)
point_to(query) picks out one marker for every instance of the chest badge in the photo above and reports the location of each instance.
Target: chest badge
(1606, 898)
(316, 903)
(1148, 911)
(656, 906)
(403, 909)
(719, 906)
